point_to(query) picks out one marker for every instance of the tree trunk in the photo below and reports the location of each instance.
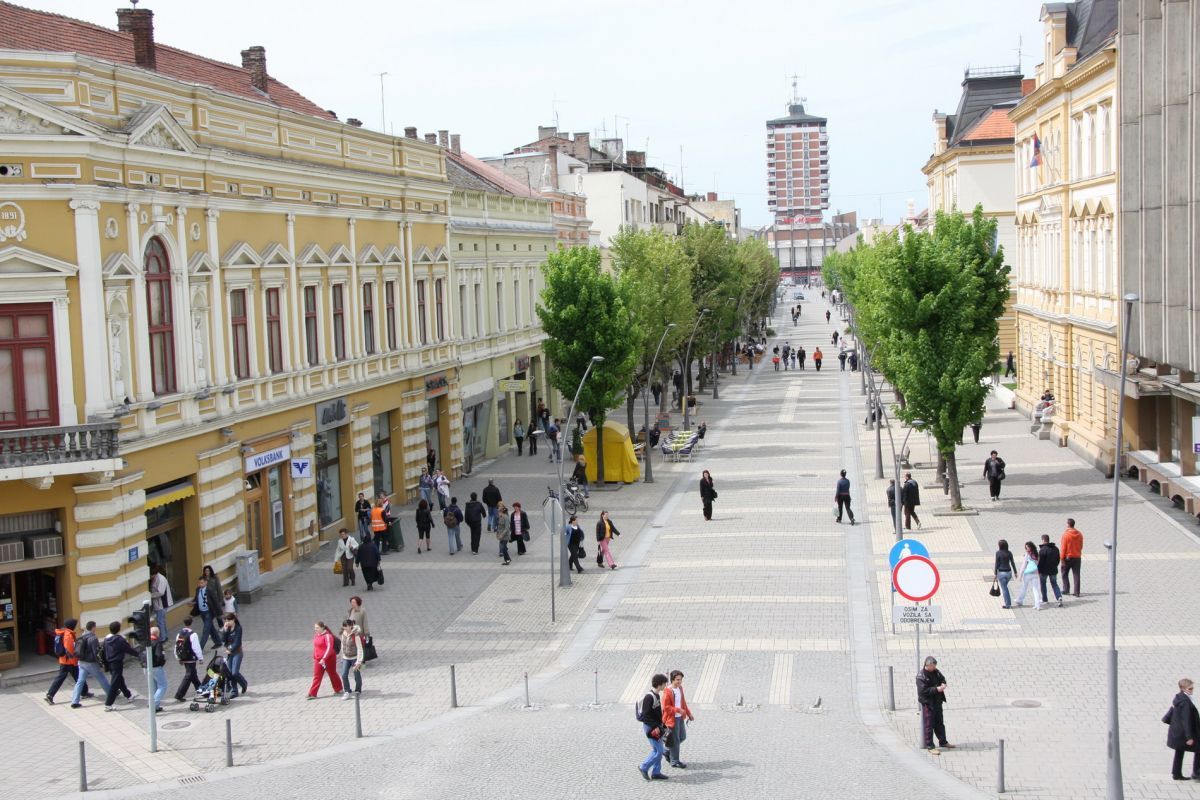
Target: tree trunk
(599, 425)
(630, 399)
(952, 475)
(940, 471)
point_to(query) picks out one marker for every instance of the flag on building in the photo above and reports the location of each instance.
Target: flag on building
(1037, 152)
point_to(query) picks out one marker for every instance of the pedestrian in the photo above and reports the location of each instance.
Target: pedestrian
(424, 526)
(473, 514)
(158, 668)
(579, 475)
(367, 558)
(853, 361)
(543, 415)
(931, 694)
(891, 498)
(676, 716)
(1003, 570)
(68, 662)
(552, 435)
(362, 510)
(793, 359)
(343, 553)
(160, 597)
(380, 521)
(532, 437)
(827, 315)
(910, 497)
(358, 615)
(1029, 577)
(707, 494)
(519, 435)
(442, 484)
(835, 338)
(491, 499)
(231, 636)
(324, 655)
(801, 355)
(353, 650)
(677, 381)
(1048, 561)
(214, 586)
(116, 649)
(1010, 365)
(841, 497)
(574, 543)
(818, 356)
(1184, 729)
(656, 390)
(430, 457)
(976, 427)
(503, 531)
(1072, 555)
(88, 651)
(775, 357)
(452, 518)
(841, 355)
(993, 470)
(519, 524)
(651, 716)
(206, 606)
(188, 652)
(605, 531)
(425, 486)
(228, 606)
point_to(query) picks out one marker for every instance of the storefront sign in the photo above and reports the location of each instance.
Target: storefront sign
(131, 555)
(512, 385)
(301, 467)
(522, 363)
(267, 458)
(437, 385)
(332, 414)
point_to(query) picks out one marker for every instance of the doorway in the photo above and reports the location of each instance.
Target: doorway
(266, 520)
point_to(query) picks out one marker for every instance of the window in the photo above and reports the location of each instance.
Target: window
(329, 480)
(516, 302)
(389, 301)
(161, 320)
(462, 311)
(311, 339)
(532, 302)
(274, 332)
(439, 312)
(381, 454)
(27, 382)
(422, 325)
(499, 325)
(368, 311)
(478, 308)
(339, 324)
(240, 326)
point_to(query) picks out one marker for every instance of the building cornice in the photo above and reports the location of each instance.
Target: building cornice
(1070, 320)
(1076, 75)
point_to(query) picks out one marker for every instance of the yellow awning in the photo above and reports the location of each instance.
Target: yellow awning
(170, 494)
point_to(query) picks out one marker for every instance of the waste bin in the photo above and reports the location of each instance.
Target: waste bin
(247, 571)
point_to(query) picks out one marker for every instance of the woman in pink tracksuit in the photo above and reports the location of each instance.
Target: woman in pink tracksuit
(324, 660)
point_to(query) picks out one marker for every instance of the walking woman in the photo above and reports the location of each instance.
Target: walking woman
(605, 531)
(358, 615)
(324, 660)
(214, 586)
(1029, 577)
(519, 435)
(574, 542)
(707, 494)
(231, 635)
(1184, 730)
(352, 657)
(1003, 570)
(503, 531)
(424, 526)
(368, 563)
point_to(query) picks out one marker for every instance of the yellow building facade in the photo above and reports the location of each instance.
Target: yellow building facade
(223, 314)
(1068, 311)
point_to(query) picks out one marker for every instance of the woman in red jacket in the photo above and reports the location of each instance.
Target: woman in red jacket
(676, 713)
(324, 660)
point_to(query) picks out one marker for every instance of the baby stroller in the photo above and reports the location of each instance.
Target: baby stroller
(215, 688)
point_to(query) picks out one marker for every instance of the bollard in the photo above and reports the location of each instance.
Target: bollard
(891, 689)
(82, 768)
(595, 687)
(357, 717)
(527, 690)
(1000, 769)
(453, 689)
(228, 742)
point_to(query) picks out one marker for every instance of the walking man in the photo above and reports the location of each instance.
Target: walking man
(676, 716)
(88, 651)
(116, 648)
(651, 715)
(491, 499)
(206, 605)
(160, 597)
(910, 494)
(1048, 560)
(347, 546)
(1072, 553)
(841, 357)
(801, 355)
(187, 652)
(931, 694)
(818, 357)
(362, 510)
(891, 498)
(552, 435)
(158, 667)
(841, 496)
(473, 514)
(452, 518)
(993, 470)
(68, 662)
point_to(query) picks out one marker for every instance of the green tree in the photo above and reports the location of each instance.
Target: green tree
(585, 313)
(715, 278)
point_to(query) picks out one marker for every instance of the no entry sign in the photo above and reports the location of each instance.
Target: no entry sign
(916, 578)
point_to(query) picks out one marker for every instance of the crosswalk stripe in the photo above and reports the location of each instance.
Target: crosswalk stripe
(639, 682)
(710, 676)
(781, 679)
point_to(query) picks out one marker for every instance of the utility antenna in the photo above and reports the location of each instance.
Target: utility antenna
(796, 98)
(382, 104)
(1019, 54)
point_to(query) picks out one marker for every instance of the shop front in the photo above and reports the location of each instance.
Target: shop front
(331, 446)
(167, 547)
(267, 486)
(31, 584)
(477, 414)
(437, 434)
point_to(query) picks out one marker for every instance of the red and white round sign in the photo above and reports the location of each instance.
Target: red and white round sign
(916, 578)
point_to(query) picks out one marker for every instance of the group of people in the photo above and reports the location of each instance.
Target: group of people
(796, 357)
(341, 654)
(544, 425)
(664, 714)
(1040, 565)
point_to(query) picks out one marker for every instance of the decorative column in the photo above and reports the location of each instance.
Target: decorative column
(183, 341)
(94, 360)
(410, 283)
(294, 356)
(139, 337)
(449, 291)
(220, 355)
(353, 300)
(403, 339)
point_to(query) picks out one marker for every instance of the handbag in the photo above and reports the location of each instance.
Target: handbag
(369, 652)
(337, 567)
(995, 590)
(669, 738)
(525, 536)
(580, 552)
(712, 494)
(379, 572)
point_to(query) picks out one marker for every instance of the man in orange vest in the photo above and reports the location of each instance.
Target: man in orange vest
(379, 524)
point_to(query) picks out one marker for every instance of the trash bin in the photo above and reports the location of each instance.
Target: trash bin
(247, 571)
(395, 537)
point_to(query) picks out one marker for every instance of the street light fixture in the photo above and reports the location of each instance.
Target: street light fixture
(646, 402)
(687, 365)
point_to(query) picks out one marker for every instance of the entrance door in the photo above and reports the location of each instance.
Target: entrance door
(254, 514)
(275, 493)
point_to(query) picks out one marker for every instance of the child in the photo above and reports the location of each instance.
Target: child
(230, 606)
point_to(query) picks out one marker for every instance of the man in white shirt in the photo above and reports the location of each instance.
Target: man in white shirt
(160, 599)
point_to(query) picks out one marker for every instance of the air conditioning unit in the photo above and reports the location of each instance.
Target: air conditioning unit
(12, 551)
(46, 546)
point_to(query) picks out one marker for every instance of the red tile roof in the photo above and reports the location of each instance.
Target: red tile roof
(993, 125)
(493, 175)
(27, 29)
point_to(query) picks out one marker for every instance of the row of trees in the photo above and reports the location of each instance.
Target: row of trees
(926, 307)
(622, 312)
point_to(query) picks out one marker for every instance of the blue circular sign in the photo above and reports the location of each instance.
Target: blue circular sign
(905, 548)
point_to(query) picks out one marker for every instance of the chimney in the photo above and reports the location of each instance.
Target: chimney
(431, 138)
(354, 123)
(1028, 85)
(254, 59)
(635, 158)
(456, 144)
(139, 22)
(331, 113)
(583, 146)
(410, 133)
(712, 197)
(546, 131)
(940, 133)
(444, 138)
(554, 166)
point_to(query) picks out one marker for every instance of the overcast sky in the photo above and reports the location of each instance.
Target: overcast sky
(695, 74)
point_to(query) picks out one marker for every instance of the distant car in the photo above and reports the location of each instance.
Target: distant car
(798, 296)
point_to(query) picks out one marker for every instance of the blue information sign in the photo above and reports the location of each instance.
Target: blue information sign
(905, 548)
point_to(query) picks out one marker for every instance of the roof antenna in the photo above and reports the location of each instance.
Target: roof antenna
(1019, 59)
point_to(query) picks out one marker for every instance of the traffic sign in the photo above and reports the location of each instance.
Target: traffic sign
(905, 548)
(916, 615)
(916, 578)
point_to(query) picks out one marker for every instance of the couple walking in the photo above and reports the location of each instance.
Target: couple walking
(664, 715)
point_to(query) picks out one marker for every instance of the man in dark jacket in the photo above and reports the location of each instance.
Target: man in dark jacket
(891, 498)
(993, 470)
(574, 542)
(367, 558)
(473, 514)
(1048, 559)
(206, 605)
(931, 694)
(491, 498)
(452, 518)
(841, 496)
(116, 648)
(1185, 729)
(910, 496)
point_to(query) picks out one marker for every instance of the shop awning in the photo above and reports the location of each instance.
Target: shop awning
(170, 494)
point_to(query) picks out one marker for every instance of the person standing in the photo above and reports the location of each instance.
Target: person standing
(425, 485)
(231, 636)
(362, 510)
(1029, 577)
(818, 357)
(993, 470)
(442, 485)
(368, 561)
(1072, 555)
(532, 436)
(931, 694)
(452, 518)
(605, 531)
(801, 355)
(206, 606)
(579, 475)
(574, 542)
(841, 496)
(519, 435)
(116, 648)
(653, 728)
(473, 514)
(324, 655)
(158, 668)
(910, 496)
(976, 427)
(160, 597)
(344, 553)
(891, 499)
(358, 615)
(491, 499)
(841, 356)
(88, 651)
(1010, 365)
(353, 650)
(424, 518)
(68, 662)
(1003, 570)
(1048, 560)
(188, 652)
(380, 519)
(676, 716)
(519, 522)
(1184, 729)
(503, 531)
(707, 494)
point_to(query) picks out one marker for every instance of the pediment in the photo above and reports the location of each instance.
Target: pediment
(241, 255)
(439, 255)
(340, 255)
(313, 256)
(423, 255)
(119, 267)
(21, 114)
(1048, 210)
(370, 256)
(200, 265)
(153, 126)
(276, 255)
(392, 255)
(17, 262)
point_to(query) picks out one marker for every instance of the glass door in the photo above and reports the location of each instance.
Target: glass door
(275, 494)
(254, 513)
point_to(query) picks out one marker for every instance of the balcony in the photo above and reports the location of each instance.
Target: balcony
(37, 455)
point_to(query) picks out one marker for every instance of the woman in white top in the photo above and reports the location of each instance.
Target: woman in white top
(1029, 577)
(351, 657)
(442, 484)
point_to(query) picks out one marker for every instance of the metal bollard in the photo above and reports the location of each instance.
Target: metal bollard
(228, 742)
(357, 717)
(891, 689)
(1000, 769)
(453, 689)
(527, 690)
(82, 768)
(595, 687)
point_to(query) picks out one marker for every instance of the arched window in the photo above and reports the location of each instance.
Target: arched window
(161, 319)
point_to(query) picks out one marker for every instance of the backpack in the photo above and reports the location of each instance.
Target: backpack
(637, 707)
(85, 648)
(59, 649)
(101, 655)
(337, 644)
(449, 519)
(183, 646)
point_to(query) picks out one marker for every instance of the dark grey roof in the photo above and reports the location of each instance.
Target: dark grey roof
(462, 178)
(980, 95)
(796, 116)
(1090, 23)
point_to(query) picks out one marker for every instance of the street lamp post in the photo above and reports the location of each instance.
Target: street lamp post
(564, 578)
(1115, 784)
(687, 365)
(646, 402)
(876, 402)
